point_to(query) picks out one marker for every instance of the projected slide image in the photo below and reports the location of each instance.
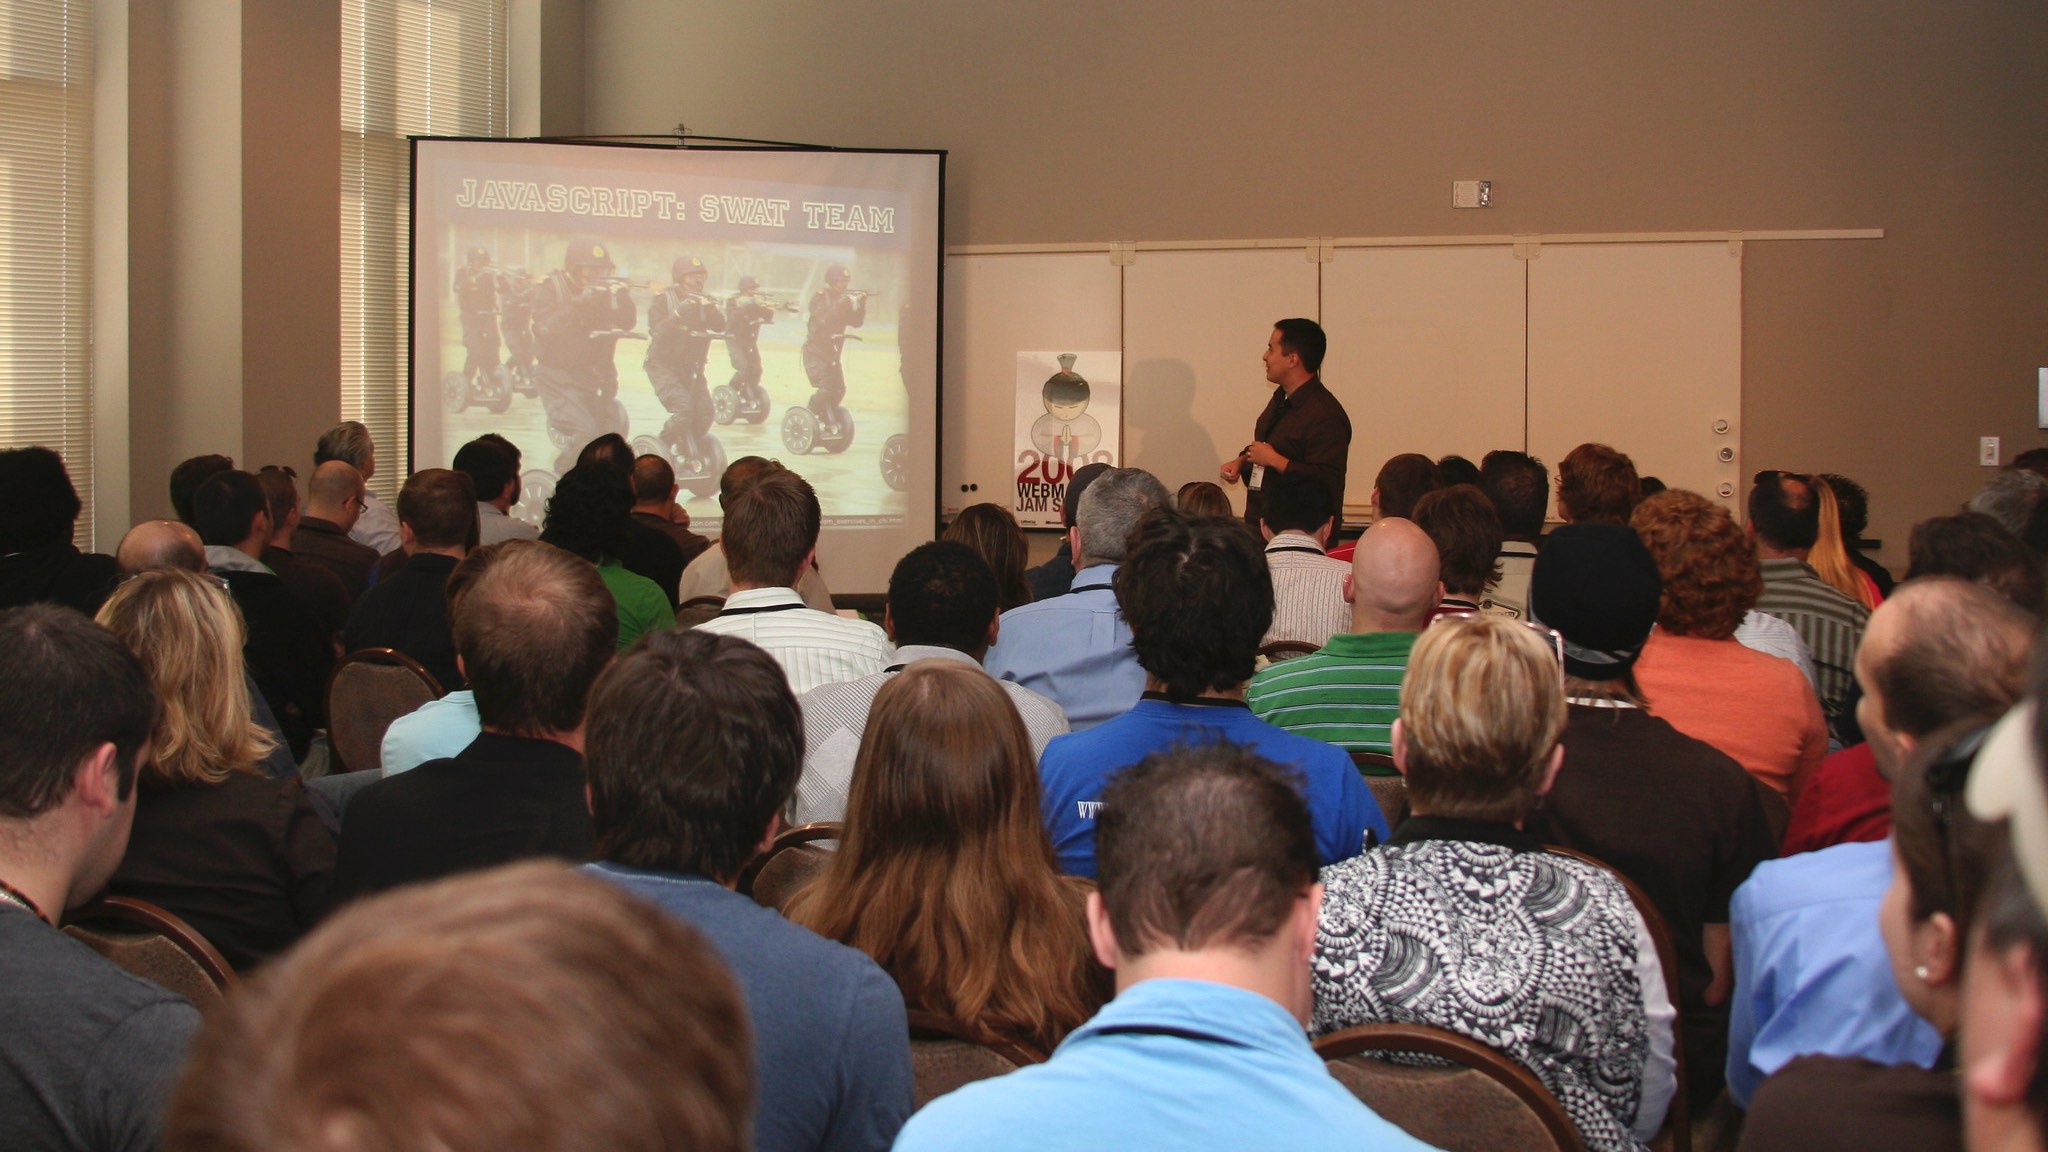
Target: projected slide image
(752, 351)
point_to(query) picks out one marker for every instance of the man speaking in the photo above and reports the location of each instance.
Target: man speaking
(1303, 431)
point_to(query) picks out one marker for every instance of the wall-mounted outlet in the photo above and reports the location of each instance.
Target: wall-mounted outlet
(1987, 451)
(1471, 193)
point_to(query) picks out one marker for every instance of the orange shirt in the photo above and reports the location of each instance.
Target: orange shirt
(1757, 708)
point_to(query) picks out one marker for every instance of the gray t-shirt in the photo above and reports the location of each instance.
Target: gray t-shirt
(89, 1054)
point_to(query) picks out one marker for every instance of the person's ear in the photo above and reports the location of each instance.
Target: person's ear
(1074, 544)
(1101, 935)
(1398, 737)
(1938, 949)
(1327, 533)
(889, 623)
(1350, 590)
(1550, 771)
(1265, 529)
(2007, 1043)
(589, 805)
(1308, 911)
(775, 827)
(97, 781)
(405, 536)
(995, 626)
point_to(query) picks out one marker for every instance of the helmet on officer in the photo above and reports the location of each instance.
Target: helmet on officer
(749, 284)
(685, 267)
(479, 256)
(837, 274)
(586, 256)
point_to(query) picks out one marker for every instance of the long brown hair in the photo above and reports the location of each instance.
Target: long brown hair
(992, 531)
(946, 876)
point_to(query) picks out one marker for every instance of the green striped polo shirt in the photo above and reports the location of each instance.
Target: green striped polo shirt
(1347, 693)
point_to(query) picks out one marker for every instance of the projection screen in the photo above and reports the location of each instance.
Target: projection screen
(706, 304)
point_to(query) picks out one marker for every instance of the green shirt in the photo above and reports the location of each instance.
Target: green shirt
(642, 607)
(1348, 693)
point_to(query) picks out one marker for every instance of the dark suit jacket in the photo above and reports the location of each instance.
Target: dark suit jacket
(314, 584)
(648, 551)
(323, 542)
(289, 653)
(501, 799)
(408, 610)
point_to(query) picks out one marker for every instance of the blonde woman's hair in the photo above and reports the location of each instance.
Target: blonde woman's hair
(1481, 709)
(1829, 558)
(188, 634)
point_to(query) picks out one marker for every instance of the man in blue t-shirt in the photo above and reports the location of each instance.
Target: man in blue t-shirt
(1198, 598)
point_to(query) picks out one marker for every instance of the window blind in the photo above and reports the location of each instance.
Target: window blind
(408, 67)
(46, 235)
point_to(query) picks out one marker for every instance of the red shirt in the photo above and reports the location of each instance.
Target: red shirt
(1845, 801)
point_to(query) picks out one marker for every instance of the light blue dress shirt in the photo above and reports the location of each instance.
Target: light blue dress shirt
(1811, 972)
(433, 731)
(1073, 649)
(1182, 1064)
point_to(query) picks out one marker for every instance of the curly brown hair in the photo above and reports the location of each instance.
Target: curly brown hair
(1710, 572)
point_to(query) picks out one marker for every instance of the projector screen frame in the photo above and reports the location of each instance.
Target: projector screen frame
(921, 522)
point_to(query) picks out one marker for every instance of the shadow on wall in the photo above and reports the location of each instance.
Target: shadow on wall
(1160, 432)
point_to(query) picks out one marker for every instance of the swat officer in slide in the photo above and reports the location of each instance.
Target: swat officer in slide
(833, 310)
(477, 285)
(744, 315)
(682, 321)
(515, 310)
(579, 315)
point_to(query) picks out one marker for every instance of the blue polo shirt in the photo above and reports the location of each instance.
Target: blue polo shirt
(1182, 1064)
(1076, 768)
(1074, 650)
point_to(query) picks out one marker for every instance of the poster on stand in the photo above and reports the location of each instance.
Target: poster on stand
(1069, 413)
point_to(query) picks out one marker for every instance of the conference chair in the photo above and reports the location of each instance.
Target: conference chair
(144, 940)
(1280, 650)
(697, 609)
(369, 689)
(944, 1056)
(786, 866)
(1477, 1099)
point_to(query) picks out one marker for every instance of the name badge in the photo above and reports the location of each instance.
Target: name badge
(1258, 477)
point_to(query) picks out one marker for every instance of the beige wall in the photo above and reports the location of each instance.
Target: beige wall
(1161, 119)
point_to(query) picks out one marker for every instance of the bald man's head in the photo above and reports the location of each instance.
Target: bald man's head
(1393, 578)
(1940, 650)
(332, 492)
(161, 544)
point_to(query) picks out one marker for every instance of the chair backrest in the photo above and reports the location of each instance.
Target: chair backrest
(945, 1056)
(1390, 791)
(1481, 1101)
(1676, 1135)
(698, 609)
(787, 865)
(1280, 650)
(370, 688)
(147, 941)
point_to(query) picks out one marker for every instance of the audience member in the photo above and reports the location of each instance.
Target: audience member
(942, 606)
(1689, 831)
(494, 472)
(1574, 989)
(654, 506)
(1829, 557)
(314, 585)
(1055, 577)
(527, 1007)
(533, 632)
(1784, 520)
(38, 511)
(1853, 504)
(588, 515)
(408, 610)
(1519, 486)
(1202, 498)
(89, 1052)
(1809, 976)
(1651, 485)
(376, 526)
(694, 746)
(1597, 485)
(241, 857)
(644, 550)
(1454, 470)
(335, 498)
(1197, 599)
(1075, 649)
(2010, 497)
(1952, 653)
(2004, 1075)
(1207, 915)
(992, 532)
(1462, 524)
(1298, 522)
(707, 575)
(1349, 692)
(1939, 861)
(1403, 480)
(770, 538)
(945, 841)
(189, 475)
(440, 728)
(1976, 547)
(161, 544)
(1694, 673)
(288, 651)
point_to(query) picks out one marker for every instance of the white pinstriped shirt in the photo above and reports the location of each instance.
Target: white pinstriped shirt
(813, 647)
(1308, 590)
